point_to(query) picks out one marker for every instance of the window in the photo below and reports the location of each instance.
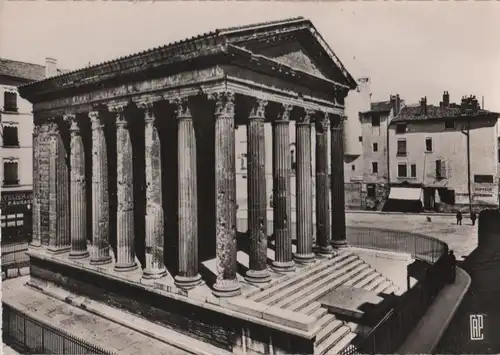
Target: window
(401, 147)
(413, 170)
(428, 144)
(400, 128)
(370, 190)
(10, 169)
(293, 162)
(375, 167)
(375, 121)
(10, 101)
(449, 124)
(10, 136)
(440, 169)
(402, 170)
(375, 147)
(483, 179)
(360, 138)
(243, 160)
(353, 167)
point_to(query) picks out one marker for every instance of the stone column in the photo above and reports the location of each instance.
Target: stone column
(155, 267)
(36, 240)
(59, 241)
(257, 216)
(225, 193)
(323, 239)
(188, 276)
(78, 192)
(125, 250)
(281, 192)
(100, 199)
(337, 171)
(304, 189)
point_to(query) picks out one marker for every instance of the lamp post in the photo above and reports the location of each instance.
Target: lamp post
(467, 134)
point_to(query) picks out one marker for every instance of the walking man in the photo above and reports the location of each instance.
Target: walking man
(459, 218)
(473, 218)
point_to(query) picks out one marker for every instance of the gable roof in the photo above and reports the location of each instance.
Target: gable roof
(216, 37)
(22, 70)
(453, 111)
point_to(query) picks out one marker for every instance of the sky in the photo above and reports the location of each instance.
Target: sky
(414, 48)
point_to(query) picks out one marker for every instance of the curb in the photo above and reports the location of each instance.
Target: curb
(423, 214)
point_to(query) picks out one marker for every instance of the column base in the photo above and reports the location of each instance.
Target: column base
(326, 250)
(187, 282)
(304, 258)
(226, 288)
(101, 260)
(58, 250)
(78, 254)
(283, 266)
(125, 267)
(258, 276)
(37, 244)
(151, 274)
(338, 244)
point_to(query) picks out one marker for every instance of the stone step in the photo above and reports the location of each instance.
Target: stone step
(363, 282)
(390, 289)
(359, 276)
(342, 343)
(320, 312)
(332, 340)
(311, 307)
(382, 286)
(336, 269)
(374, 283)
(260, 295)
(324, 320)
(303, 299)
(311, 288)
(327, 331)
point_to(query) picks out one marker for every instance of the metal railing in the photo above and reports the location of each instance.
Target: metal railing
(31, 336)
(15, 254)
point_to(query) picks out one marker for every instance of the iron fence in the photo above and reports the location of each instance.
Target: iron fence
(31, 336)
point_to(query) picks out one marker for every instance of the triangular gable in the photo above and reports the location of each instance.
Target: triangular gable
(295, 43)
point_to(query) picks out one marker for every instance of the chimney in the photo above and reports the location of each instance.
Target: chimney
(50, 67)
(423, 106)
(395, 104)
(446, 99)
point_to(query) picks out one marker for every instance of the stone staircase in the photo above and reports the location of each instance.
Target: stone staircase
(301, 292)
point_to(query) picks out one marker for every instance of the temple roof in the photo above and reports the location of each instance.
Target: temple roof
(23, 70)
(216, 40)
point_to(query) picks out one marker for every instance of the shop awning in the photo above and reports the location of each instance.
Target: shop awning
(405, 193)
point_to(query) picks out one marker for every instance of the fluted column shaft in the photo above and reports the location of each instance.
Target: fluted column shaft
(78, 193)
(337, 171)
(225, 193)
(100, 199)
(281, 192)
(257, 214)
(155, 267)
(188, 275)
(36, 240)
(125, 256)
(304, 189)
(322, 186)
(58, 193)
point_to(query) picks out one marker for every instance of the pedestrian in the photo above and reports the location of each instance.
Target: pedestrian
(453, 266)
(459, 218)
(473, 218)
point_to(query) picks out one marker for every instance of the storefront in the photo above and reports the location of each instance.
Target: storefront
(16, 207)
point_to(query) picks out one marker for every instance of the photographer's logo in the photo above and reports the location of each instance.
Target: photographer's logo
(476, 327)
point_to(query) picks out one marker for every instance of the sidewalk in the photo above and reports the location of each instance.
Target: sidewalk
(426, 335)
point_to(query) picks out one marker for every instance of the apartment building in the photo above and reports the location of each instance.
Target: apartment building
(16, 153)
(443, 158)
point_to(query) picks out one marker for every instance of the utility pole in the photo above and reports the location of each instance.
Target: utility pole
(467, 134)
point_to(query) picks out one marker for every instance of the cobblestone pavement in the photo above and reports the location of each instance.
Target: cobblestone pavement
(462, 239)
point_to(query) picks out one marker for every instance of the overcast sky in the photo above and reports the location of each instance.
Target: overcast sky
(412, 48)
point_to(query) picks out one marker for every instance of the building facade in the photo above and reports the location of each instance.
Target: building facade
(449, 151)
(16, 153)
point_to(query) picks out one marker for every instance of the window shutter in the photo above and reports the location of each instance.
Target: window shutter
(443, 169)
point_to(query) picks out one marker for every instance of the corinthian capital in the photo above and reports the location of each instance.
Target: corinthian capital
(73, 122)
(181, 107)
(286, 112)
(224, 106)
(148, 108)
(259, 109)
(306, 117)
(337, 122)
(322, 122)
(95, 120)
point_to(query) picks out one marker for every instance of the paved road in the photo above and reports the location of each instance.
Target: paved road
(483, 298)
